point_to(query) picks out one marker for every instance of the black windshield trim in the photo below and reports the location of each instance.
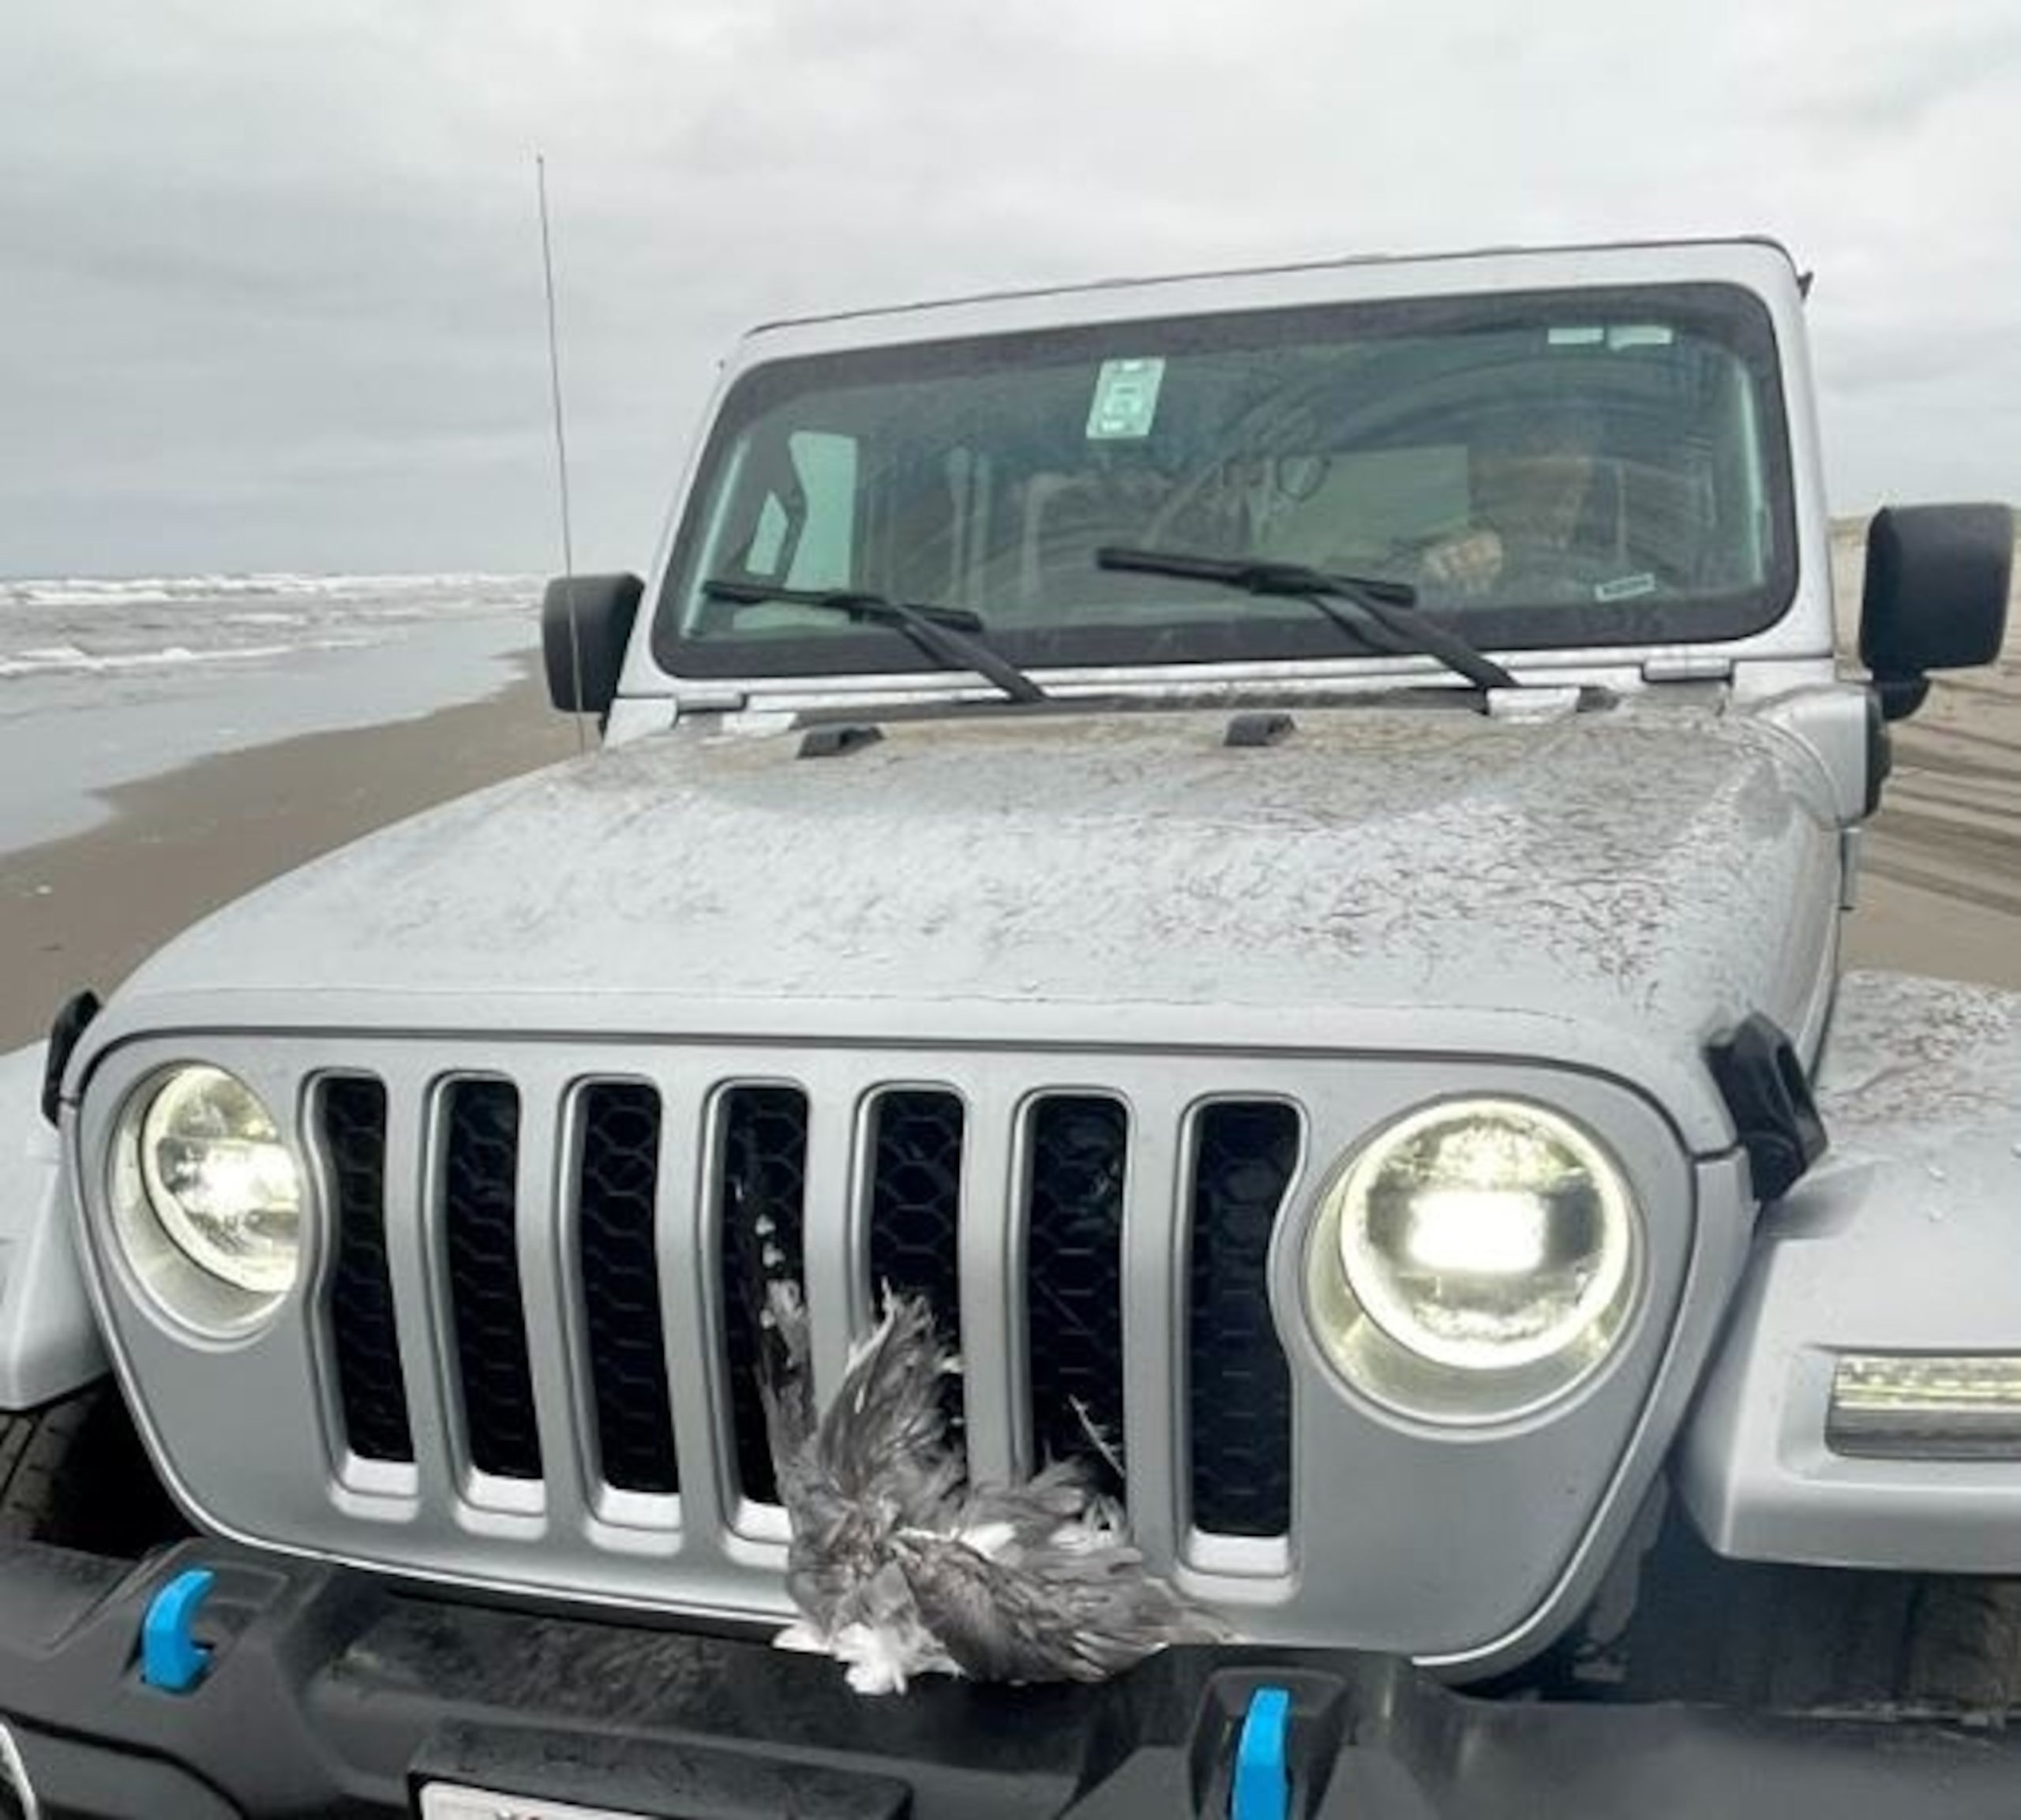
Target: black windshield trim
(1737, 316)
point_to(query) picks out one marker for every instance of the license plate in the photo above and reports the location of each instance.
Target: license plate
(446, 1801)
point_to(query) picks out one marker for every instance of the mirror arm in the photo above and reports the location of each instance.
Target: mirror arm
(1900, 696)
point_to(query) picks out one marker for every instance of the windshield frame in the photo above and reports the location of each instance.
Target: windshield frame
(1733, 313)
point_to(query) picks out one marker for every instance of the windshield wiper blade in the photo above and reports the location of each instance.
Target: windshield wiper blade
(951, 636)
(1393, 605)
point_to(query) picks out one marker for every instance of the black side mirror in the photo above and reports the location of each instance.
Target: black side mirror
(1937, 578)
(585, 624)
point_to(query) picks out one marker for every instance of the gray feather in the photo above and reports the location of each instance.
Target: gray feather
(1056, 1616)
(902, 1568)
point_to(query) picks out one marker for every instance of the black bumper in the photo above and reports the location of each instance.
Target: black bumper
(330, 1694)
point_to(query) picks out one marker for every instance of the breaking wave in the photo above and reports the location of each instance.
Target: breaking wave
(159, 590)
(81, 625)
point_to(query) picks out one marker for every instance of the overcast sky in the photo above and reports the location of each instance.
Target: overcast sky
(269, 270)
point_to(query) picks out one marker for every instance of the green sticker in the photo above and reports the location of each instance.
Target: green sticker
(1125, 400)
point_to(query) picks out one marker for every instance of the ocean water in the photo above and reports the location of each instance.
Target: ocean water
(106, 681)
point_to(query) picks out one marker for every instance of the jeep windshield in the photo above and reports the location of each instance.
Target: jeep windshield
(1577, 469)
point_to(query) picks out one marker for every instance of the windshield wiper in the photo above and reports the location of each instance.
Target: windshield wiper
(1393, 605)
(951, 636)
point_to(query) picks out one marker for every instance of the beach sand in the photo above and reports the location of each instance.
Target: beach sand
(84, 911)
(1940, 889)
(1940, 893)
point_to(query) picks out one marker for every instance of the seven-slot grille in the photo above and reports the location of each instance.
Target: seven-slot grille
(1014, 1230)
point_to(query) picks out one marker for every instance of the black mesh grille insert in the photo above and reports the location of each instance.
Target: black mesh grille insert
(1239, 1385)
(479, 1195)
(915, 1212)
(362, 1332)
(1079, 1150)
(761, 1186)
(616, 1193)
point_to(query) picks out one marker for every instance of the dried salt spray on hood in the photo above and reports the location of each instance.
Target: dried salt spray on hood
(902, 1567)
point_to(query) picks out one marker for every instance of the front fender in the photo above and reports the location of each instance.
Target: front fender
(1905, 1239)
(49, 1339)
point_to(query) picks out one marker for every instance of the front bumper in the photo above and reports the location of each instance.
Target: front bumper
(330, 1693)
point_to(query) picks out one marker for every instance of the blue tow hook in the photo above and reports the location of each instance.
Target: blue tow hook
(171, 1658)
(1262, 1789)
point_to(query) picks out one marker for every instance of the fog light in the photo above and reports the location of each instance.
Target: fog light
(1926, 1407)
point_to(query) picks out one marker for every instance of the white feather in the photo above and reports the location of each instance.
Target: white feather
(803, 1637)
(992, 1540)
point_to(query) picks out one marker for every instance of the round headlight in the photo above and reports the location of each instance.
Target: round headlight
(218, 1177)
(1477, 1258)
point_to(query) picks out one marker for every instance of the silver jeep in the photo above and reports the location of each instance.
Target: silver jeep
(1273, 846)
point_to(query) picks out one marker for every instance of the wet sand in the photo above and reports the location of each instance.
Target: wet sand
(86, 910)
(1941, 891)
(1940, 886)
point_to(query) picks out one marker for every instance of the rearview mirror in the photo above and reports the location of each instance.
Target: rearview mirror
(1937, 578)
(585, 624)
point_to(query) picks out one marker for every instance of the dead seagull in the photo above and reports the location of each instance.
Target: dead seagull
(902, 1567)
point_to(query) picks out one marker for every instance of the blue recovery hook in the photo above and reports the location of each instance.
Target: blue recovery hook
(171, 1658)
(1262, 1787)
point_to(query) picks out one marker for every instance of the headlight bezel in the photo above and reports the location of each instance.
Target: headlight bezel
(168, 1268)
(1370, 1362)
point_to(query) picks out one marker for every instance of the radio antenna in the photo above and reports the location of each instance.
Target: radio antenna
(560, 455)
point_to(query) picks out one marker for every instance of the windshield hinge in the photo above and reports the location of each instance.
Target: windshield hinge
(1688, 667)
(1534, 701)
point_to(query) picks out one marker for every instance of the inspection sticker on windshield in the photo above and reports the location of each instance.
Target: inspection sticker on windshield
(1125, 400)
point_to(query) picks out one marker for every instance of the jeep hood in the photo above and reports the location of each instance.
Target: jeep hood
(1624, 866)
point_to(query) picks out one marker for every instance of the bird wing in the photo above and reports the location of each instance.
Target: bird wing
(1075, 1616)
(883, 1442)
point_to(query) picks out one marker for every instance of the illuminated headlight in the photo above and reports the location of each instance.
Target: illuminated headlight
(1925, 1406)
(1475, 1259)
(201, 1165)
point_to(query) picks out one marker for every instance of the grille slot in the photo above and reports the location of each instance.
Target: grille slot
(760, 1188)
(351, 1116)
(617, 1188)
(1078, 1153)
(1239, 1385)
(480, 1160)
(915, 1213)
